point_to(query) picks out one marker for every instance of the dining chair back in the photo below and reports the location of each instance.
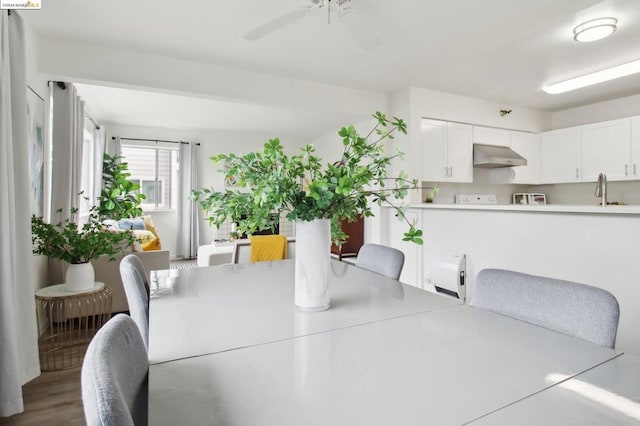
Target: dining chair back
(380, 259)
(578, 310)
(114, 375)
(136, 287)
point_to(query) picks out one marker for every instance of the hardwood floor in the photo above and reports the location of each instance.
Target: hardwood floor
(54, 398)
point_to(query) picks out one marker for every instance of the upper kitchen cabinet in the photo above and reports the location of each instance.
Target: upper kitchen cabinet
(447, 151)
(606, 148)
(560, 156)
(634, 171)
(491, 136)
(527, 145)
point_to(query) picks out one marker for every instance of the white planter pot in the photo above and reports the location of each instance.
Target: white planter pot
(79, 277)
(313, 246)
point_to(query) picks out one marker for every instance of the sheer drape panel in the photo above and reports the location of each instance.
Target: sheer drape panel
(18, 331)
(114, 146)
(66, 165)
(68, 138)
(188, 227)
(99, 146)
(100, 140)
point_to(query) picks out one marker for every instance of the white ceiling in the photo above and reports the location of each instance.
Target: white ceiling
(141, 108)
(499, 50)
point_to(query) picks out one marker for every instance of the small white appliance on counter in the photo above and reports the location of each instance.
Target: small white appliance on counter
(448, 275)
(476, 199)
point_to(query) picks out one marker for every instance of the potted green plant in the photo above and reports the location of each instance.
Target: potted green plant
(77, 245)
(313, 194)
(432, 191)
(120, 197)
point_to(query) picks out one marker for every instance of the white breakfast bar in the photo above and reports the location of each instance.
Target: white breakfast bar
(228, 347)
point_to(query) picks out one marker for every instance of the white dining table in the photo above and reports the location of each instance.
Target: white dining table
(213, 309)
(608, 394)
(384, 353)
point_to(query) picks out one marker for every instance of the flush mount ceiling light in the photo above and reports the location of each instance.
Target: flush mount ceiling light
(595, 29)
(601, 76)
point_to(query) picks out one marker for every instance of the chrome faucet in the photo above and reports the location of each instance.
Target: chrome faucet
(601, 189)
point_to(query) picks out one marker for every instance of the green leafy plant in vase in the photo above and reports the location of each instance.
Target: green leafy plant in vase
(306, 190)
(77, 245)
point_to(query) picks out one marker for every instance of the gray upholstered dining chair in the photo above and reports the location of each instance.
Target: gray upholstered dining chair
(380, 259)
(114, 375)
(578, 310)
(136, 287)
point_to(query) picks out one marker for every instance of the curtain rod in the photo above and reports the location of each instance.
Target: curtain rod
(151, 140)
(86, 114)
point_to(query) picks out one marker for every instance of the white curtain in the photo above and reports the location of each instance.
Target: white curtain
(188, 227)
(114, 146)
(18, 332)
(67, 140)
(99, 147)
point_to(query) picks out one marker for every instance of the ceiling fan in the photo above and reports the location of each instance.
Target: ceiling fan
(334, 9)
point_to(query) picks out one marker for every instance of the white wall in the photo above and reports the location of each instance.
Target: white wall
(594, 113)
(595, 249)
(38, 83)
(446, 106)
(211, 142)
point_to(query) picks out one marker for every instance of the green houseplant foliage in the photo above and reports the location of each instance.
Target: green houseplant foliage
(68, 242)
(306, 189)
(119, 198)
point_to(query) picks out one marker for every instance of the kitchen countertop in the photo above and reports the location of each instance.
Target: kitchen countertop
(549, 208)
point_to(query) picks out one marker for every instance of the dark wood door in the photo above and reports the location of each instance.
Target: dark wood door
(355, 231)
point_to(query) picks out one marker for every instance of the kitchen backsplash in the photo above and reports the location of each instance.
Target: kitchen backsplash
(568, 193)
(582, 193)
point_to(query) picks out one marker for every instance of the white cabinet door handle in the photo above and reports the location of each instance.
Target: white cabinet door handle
(450, 171)
(577, 173)
(513, 174)
(446, 171)
(626, 170)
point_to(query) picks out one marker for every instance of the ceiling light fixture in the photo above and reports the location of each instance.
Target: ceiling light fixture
(601, 76)
(595, 29)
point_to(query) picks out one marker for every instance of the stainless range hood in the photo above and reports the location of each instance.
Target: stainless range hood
(494, 156)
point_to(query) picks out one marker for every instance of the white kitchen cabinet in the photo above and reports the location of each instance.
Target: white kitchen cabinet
(560, 154)
(634, 169)
(527, 145)
(606, 148)
(491, 136)
(447, 151)
(412, 269)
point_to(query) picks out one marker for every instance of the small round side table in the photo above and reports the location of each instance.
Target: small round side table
(67, 321)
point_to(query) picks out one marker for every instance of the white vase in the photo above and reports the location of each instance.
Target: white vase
(313, 246)
(79, 277)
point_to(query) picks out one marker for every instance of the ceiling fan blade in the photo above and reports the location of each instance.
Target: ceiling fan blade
(276, 24)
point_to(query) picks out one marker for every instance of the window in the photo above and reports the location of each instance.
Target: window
(155, 169)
